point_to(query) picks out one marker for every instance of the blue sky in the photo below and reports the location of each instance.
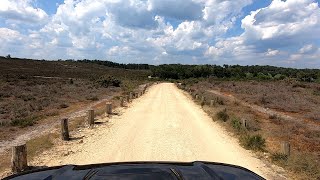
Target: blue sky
(245, 32)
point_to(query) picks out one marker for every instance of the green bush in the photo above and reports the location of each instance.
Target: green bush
(279, 77)
(253, 142)
(279, 157)
(24, 122)
(106, 81)
(236, 124)
(223, 115)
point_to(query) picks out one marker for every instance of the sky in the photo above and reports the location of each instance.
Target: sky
(245, 32)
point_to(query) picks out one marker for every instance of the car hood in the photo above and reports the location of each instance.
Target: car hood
(141, 170)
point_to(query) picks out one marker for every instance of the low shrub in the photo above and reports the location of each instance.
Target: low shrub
(220, 101)
(24, 122)
(92, 98)
(253, 142)
(63, 106)
(273, 116)
(279, 157)
(316, 93)
(299, 85)
(223, 115)
(106, 81)
(26, 97)
(202, 103)
(236, 124)
(304, 164)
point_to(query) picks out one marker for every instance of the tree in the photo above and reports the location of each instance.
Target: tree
(8, 56)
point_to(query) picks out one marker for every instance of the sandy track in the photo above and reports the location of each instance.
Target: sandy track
(162, 125)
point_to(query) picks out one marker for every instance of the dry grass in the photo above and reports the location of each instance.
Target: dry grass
(299, 99)
(31, 91)
(40, 144)
(305, 142)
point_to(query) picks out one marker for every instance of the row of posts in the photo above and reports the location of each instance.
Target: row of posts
(19, 161)
(284, 146)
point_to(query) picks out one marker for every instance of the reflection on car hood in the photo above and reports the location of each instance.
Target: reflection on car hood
(141, 170)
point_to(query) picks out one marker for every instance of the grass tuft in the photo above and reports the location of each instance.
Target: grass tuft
(223, 115)
(253, 142)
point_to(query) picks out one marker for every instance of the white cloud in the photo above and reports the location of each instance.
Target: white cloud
(177, 9)
(223, 12)
(165, 31)
(9, 35)
(271, 52)
(116, 50)
(283, 23)
(21, 11)
(308, 49)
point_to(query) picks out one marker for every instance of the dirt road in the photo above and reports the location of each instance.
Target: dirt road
(162, 125)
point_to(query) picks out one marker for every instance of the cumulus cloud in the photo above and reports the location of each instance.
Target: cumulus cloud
(282, 24)
(177, 9)
(223, 12)
(21, 11)
(165, 31)
(271, 52)
(308, 49)
(133, 14)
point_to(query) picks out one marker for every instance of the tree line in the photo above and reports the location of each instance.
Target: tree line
(117, 65)
(179, 71)
(236, 72)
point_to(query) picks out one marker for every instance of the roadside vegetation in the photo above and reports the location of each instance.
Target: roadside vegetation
(263, 133)
(33, 90)
(234, 72)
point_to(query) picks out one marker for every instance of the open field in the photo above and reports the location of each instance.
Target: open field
(35, 95)
(163, 125)
(278, 111)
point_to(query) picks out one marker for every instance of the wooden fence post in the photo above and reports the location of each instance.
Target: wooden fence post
(122, 102)
(128, 99)
(65, 130)
(244, 123)
(203, 99)
(19, 161)
(211, 103)
(91, 117)
(109, 108)
(285, 148)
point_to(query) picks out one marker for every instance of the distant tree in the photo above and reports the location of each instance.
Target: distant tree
(8, 56)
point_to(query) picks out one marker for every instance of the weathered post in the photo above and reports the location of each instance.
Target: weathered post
(128, 99)
(211, 103)
(122, 102)
(244, 123)
(19, 161)
(109, 108)
(64, 129)
(203, 99)
(91, 117)
(285, 148)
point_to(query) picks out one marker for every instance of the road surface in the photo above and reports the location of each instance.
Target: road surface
(162, 125)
